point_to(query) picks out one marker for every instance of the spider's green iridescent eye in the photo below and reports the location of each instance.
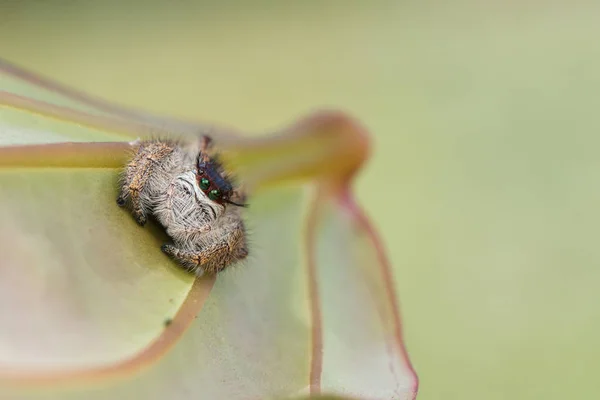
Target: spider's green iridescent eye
(204, 183)
(214, 194)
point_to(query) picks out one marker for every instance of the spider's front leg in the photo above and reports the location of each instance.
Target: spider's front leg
(138, 174)
(221, 247)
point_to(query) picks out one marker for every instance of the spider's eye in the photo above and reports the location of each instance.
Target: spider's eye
(214, 194)
(204, 184)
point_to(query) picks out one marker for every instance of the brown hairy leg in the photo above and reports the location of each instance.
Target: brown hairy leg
(137, 173)
(226, 245)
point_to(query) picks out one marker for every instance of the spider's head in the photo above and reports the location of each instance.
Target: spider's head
(212, 182)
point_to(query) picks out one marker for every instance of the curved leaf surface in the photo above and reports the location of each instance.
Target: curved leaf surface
(363, 351)
(98, 311)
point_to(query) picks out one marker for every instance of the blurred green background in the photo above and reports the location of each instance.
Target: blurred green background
(484, 176)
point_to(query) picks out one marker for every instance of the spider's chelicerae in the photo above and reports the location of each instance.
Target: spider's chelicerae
(193, 197)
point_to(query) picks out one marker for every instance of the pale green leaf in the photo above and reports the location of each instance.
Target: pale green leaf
(98, 312)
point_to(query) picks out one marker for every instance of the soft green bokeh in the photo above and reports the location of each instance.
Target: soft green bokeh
(483, 182)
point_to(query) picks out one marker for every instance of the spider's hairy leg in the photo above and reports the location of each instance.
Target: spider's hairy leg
(137, 174)
(189, 260)
(222, 246)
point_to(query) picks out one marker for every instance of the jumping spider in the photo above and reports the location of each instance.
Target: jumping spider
(192, 196)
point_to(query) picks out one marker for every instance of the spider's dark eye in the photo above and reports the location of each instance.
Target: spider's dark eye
(214, 194)
(204, 184)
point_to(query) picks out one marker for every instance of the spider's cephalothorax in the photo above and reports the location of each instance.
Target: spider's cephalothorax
(212, 178)
(193, 197)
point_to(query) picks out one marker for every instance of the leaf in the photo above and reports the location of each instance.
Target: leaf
(361, 332)
(97, 311)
